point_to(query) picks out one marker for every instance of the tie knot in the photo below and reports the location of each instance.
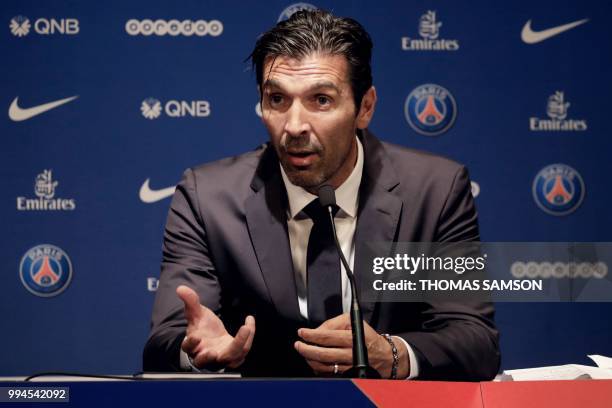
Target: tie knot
(317, 212)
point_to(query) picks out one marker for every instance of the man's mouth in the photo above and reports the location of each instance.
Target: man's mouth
(301, 158)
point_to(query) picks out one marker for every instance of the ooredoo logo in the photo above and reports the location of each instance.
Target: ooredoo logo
(173, 28)
(559, 270)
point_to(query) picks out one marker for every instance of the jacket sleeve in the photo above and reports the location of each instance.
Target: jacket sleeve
(186, 261)
(457, 341)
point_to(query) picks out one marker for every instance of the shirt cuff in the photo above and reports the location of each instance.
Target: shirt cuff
(185, 364)
(414, 363)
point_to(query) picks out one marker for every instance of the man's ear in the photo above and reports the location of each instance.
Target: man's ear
(366, 110)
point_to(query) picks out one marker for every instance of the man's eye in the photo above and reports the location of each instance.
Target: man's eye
(323, 100)
(276, 99)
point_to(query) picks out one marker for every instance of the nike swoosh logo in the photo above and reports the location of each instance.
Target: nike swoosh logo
(18, 114)
(150, 196)
(531, 37)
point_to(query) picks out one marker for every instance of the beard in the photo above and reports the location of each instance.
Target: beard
(308, 179)
(310, 176)
(324, 166)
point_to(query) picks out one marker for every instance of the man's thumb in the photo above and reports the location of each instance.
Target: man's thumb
(193, 308)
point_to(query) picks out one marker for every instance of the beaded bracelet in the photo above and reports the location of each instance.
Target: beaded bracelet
(395, 356)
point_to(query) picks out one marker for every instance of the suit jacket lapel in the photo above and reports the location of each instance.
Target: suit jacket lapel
(267, 223)
(379, 209)
(378, 218)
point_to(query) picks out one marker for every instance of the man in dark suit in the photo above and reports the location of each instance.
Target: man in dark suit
(249, 281)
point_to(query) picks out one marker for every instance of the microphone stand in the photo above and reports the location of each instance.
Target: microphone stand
(361, 367)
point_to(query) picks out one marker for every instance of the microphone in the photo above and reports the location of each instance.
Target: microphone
(361, 366)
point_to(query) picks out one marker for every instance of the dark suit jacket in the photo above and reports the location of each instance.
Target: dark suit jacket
(226, 237)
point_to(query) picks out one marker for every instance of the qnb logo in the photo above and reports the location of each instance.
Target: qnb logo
(151, 108)
(556, 109)
(294, 8)
(430, 109)
(559, 270)
(20, 26)
(44, 189)
(429, 30)
(558, 189)
(187, 28)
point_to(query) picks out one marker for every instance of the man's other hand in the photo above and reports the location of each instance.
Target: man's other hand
(207, 341)
(332, 343)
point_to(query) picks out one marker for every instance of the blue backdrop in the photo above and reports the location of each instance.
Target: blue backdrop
(161, 86)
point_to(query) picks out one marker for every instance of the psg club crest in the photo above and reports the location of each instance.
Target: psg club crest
(45, 270)
(294, 8)
(558, 189)
(430, 109)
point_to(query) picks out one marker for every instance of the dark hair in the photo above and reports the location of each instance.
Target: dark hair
(310, 31)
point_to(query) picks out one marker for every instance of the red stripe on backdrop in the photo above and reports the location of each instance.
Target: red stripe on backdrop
(422, 394)
(548, 394)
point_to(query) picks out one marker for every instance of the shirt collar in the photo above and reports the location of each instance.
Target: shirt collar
(346, 194)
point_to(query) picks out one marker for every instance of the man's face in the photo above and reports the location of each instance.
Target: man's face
(309, 111)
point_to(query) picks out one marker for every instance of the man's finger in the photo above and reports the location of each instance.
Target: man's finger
(250, 323)
(341, 322)
(327, 338)
(325, 355)
(235, 349)
(327, 369)
(241, 338)
(205, 357)
(193, 308)
(238, 350)
(190, 344)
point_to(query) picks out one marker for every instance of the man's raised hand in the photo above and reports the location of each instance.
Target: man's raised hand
(207, 341)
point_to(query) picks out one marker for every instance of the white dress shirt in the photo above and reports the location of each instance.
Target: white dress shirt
(299, 226)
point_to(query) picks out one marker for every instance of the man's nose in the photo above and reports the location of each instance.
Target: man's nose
(297, 122)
